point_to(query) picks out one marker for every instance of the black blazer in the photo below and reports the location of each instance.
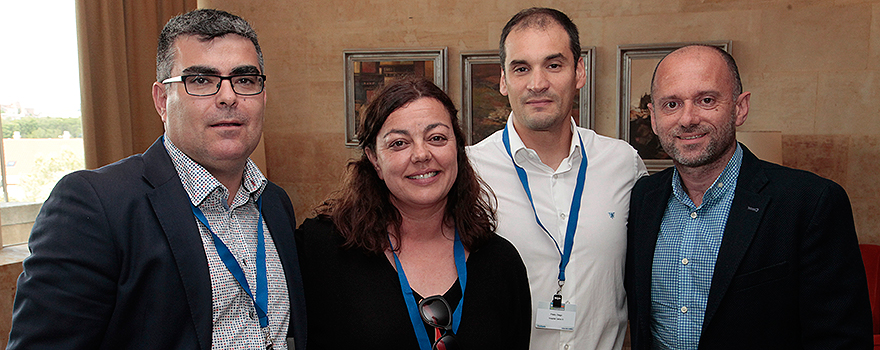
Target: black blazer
(117, 263)
(789, 273)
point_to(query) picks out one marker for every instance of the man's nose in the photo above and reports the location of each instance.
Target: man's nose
(689, 115)
(226, 96)
(538, 81)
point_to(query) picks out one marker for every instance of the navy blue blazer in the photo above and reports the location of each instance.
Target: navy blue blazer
(117, 263)
(789, 274)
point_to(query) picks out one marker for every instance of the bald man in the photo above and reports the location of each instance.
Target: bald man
(726, 251)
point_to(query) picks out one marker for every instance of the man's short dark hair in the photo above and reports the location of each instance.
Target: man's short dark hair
(541, 18)
(728, 59)
(206, 24)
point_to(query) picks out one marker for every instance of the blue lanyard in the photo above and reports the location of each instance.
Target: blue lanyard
(261, 302)
(410, 299)
(575, 202)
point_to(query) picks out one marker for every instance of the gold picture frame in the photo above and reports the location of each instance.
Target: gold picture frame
(636, 68)
(366, 71)
(484, 110)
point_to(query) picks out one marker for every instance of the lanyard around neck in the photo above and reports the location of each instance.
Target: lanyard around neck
(261, 302)
(565, 252)
(410, 299)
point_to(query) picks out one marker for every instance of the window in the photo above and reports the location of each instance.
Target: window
(39, 108)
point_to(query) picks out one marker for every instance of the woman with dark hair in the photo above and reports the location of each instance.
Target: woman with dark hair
(405, 256)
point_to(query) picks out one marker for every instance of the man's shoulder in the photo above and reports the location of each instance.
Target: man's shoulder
(128, 176)
(134, 167)
(488, 147)
(790, 180)
(123, 170)
(278, 194)
(599, 143)
(274, 188)
(115, 188)
(489, 155)
(611, 158)
(776, 171)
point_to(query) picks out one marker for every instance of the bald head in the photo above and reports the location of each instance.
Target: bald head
(696, 106)
(701, 52)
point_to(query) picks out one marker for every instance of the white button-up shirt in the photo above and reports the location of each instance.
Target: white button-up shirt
(594, 275)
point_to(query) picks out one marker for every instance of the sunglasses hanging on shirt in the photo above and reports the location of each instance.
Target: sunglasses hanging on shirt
(436, 313)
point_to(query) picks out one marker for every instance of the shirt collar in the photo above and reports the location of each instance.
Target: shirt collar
(523, 155)
(724, 184)
(199, 183)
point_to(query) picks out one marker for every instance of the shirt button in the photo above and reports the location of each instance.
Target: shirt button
(684, 309)
(562, 216)
(251, 314)
(693, 215)
(555, 176)
(720, 185)
(565, 347)
(684, 261)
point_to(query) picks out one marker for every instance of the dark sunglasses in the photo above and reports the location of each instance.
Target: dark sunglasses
(436, 312)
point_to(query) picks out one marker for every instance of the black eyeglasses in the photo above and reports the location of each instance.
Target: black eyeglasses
(436, 312)
(209, 84)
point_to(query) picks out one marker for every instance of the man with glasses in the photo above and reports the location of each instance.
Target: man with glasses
(186, 246)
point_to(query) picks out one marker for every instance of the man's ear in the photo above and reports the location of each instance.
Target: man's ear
(160, 99)
(580, 72)
(502, 84)
(742, 107)
(653, 122)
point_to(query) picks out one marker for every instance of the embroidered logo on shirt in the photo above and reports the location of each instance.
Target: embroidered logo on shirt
(611, 214)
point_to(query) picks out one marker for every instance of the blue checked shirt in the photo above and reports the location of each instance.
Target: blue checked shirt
(684, 259)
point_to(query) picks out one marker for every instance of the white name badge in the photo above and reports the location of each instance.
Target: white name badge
(555, 318)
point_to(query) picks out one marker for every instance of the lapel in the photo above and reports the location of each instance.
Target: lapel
(746, 211)
(169, 201)
(652, 206)
(281, 230)
(279, 217)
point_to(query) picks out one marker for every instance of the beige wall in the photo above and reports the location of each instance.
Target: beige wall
(813, 68)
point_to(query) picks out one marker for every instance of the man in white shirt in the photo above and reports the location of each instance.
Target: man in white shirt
(562, 191)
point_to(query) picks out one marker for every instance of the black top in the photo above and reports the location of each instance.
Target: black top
(354, 301)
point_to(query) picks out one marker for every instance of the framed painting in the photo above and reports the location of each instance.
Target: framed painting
(367, 71)
(636, 68)
(484, 110)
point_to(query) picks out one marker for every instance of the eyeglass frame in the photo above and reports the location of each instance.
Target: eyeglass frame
(449, 334)
(182, 78)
